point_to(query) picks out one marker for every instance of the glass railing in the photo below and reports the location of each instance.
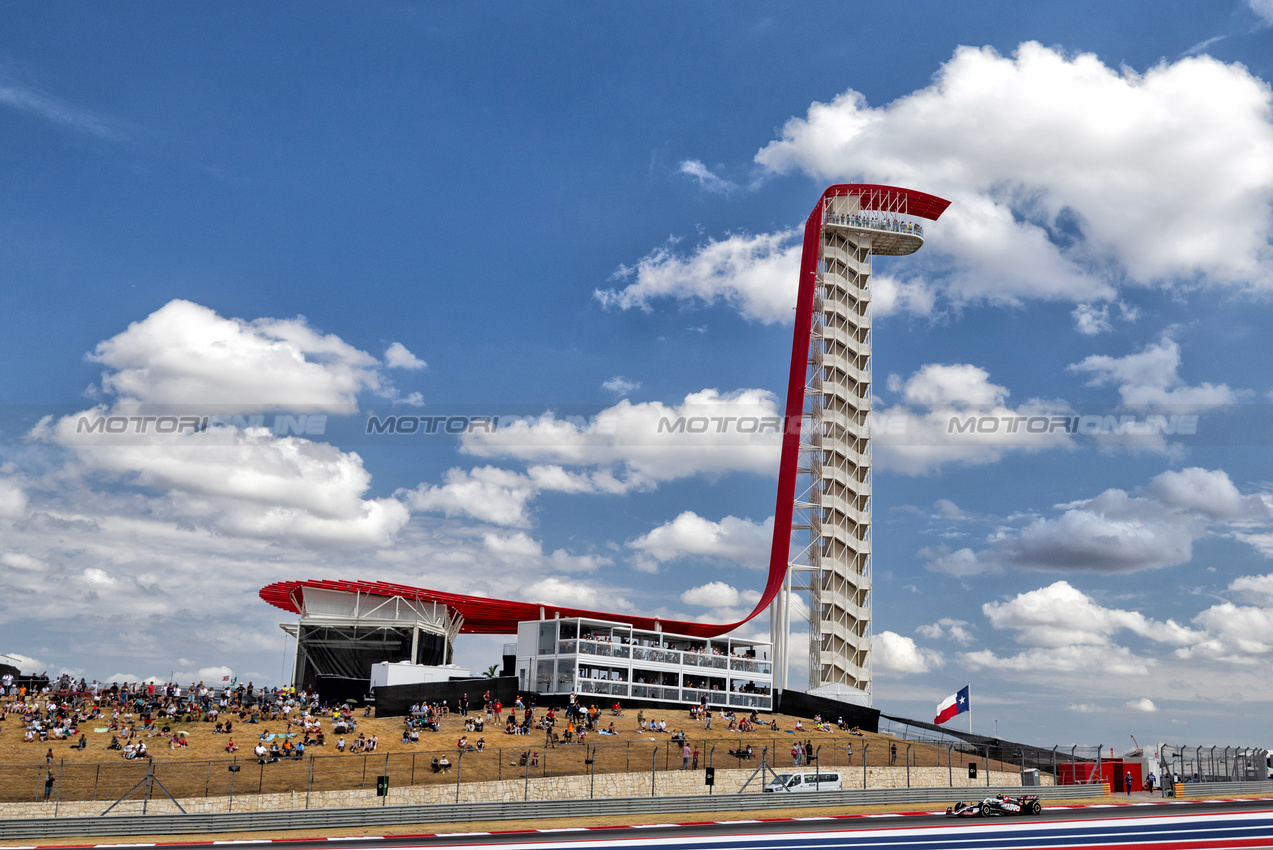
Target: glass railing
(662, 656)
(566, 647)
(590, 686)
(750, 665)
(655, 692)
(750, 701)
(602, 649)
(888, 225)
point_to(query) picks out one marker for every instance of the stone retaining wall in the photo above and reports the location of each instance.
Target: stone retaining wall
(667, 783)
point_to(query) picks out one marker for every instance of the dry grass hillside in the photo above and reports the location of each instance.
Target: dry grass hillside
(200, 768)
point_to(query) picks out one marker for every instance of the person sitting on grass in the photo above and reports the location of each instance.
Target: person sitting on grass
(231, 747)
(481, 744)
(445, 764)
(436, 765)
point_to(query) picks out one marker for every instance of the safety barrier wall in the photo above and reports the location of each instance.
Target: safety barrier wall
(315, 820)
(1224, 789)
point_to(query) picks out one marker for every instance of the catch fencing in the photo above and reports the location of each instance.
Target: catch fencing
(237, 776)
(1210, 764)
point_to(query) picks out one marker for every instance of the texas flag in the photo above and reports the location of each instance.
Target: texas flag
(952, 705)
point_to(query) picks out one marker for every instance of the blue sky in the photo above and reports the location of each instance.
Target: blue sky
(584, 216)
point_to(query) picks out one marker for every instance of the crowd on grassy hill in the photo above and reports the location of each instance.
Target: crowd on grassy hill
(133, 713)
(277, 724)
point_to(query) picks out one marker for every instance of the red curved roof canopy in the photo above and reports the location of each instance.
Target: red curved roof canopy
(891, 199)
(485, 615)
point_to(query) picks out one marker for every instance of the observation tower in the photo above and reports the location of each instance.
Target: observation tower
(824, 490)
(821, 546)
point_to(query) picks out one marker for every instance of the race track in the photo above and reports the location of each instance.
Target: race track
(1178, 826)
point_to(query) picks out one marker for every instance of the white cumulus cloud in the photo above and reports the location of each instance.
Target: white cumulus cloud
(894, 653)
(398, 357)
(1060, 167)
(1116, 531)
(734, 540)
(640, 445)
(756, 275)
(1151, 377)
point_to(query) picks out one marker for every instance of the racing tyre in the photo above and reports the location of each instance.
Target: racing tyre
(985, 810)
(1035, 807)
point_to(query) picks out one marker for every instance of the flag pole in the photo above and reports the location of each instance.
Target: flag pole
(970, 708)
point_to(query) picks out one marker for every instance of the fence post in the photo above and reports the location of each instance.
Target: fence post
(364, 773)
(96, 778)
(309, 783)
(865, 748)
(987, 765)
(950, 768)
(654, 765)
(459, 768)
(526, 791)
(412, 769)
(233, 774)
(260, 781)
(60, 773)
(207, 782)
(908, 764)
(627, 759)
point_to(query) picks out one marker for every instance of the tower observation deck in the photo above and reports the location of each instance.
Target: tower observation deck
(828, 546)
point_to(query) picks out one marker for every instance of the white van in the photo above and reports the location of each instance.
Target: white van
(798, 782)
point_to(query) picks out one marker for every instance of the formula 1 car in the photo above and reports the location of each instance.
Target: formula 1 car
(1000, 804)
